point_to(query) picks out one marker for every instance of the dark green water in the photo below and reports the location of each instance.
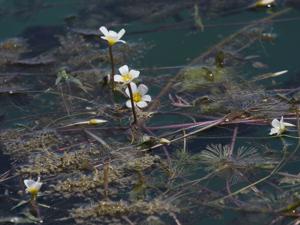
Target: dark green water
(161, 43)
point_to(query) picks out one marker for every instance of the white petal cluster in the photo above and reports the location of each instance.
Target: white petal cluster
(279, 127)
(140, 98)
(111, 36)
(33, 187)
(126, 76)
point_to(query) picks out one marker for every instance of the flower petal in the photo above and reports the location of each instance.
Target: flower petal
(121, 33)
(133, 87)
(38, 185)
(142, 104)
(288, 124)
(146, 98)
(143, 89)
(274, 131)
(118, 78)
(134, 73)
(113, 34)
(124, 70)
(127, 92)
(104, 30)
(128, 103)
(275, 123)
(121, 41)
(29, 183)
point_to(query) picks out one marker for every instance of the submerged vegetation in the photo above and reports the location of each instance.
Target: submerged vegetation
(85, 143)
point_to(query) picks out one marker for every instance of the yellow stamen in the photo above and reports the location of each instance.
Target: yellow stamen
(111, 41)
(33, 191)
(137, 97)
(127, 77)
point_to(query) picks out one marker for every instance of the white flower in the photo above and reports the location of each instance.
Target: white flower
(111, 36)
(126, 75)
(140, 98)
(279, 127)
(33, 187)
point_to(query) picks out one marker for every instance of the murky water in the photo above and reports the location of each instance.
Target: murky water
(221, 75)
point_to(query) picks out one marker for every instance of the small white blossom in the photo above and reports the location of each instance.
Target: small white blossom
(33, 187)
(279, 127)
(140, 98)
(111, 36)
(126, 75)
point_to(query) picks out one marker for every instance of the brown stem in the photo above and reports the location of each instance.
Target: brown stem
(106, 177)
(112, 66)
(65, 102)
(34, 207)
(132, 104)
(235, 131)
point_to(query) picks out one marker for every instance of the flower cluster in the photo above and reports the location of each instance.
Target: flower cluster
(137, 94)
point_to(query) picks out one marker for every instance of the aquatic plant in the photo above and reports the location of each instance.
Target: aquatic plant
(118, 209)
(279, 127)
(33, 187)
(174, 170)
(217, 157)
(137, 97)
(112, 38)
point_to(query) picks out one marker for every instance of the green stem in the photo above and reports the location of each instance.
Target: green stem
(112, 66)
(132, 104)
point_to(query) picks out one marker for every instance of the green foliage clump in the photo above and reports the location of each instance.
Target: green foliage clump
(20, 145)
(50, 163)
(195, 78)
(121, 208)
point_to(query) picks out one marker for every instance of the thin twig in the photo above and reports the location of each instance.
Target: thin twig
(233, 140)
(106, 177)
(217, 122)
(128, 220)
(173, 215)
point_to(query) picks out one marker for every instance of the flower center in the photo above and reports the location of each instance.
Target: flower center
(282, 129)
(111, 40)
(127, 77)
(33, 190)
(137, 97)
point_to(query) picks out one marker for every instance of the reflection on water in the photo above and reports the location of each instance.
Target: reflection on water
(219, 74)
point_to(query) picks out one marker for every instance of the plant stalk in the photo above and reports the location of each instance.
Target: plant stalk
(106, 177)
(132, 104)
(111, 77)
